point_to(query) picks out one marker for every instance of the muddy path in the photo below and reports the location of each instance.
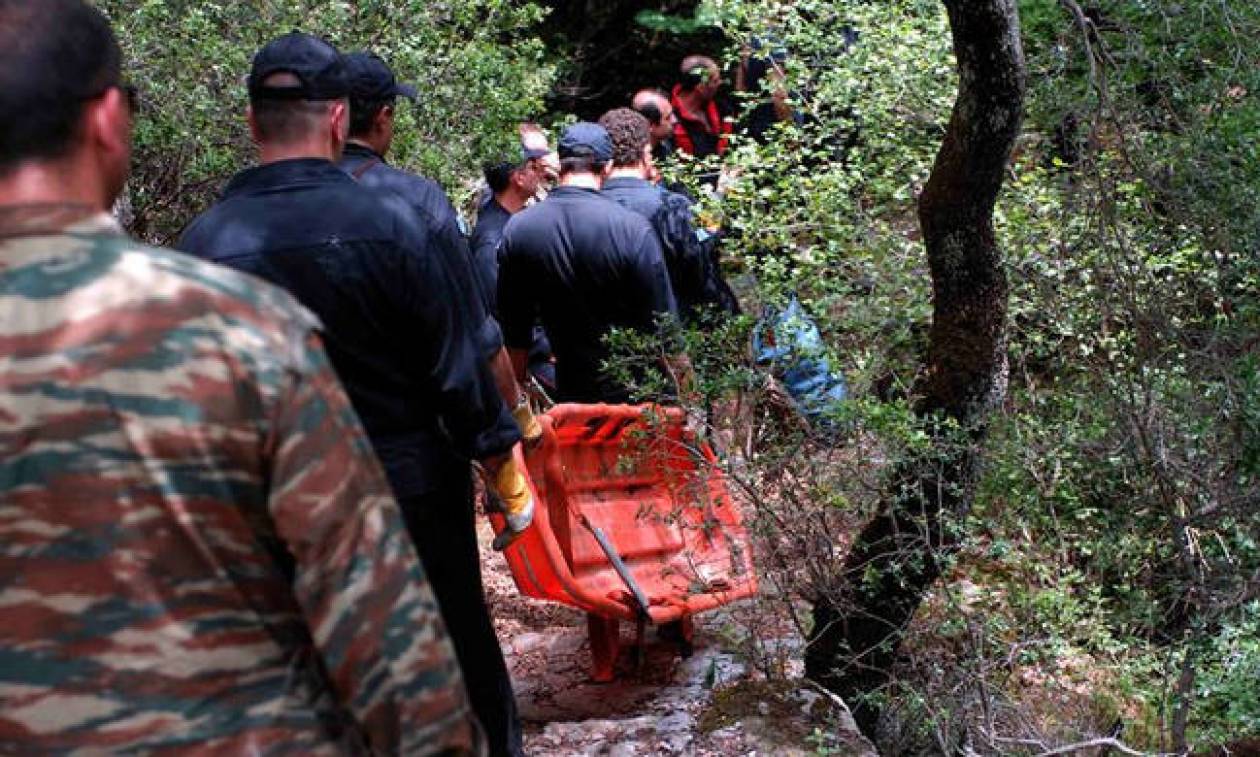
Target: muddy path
(710, 703)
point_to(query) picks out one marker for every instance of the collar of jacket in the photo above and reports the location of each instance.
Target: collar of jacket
(356, 150)
(572, 191)
(286, 173)
(55, 218)
(629, 182)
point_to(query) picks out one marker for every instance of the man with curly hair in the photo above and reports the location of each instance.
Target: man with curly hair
(689, 252)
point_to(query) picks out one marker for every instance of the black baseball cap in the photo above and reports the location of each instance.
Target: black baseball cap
(372, 79)
(586, 140)
(319, 68)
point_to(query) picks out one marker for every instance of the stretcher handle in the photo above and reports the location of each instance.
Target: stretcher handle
(618, 565)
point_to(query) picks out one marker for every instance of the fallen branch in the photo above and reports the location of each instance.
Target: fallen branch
(1109, 743)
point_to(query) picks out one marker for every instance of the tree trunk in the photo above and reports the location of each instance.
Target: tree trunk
(898, 555)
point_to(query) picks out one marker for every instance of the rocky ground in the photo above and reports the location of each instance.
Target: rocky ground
(707, 704)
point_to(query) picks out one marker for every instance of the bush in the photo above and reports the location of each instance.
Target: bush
(1116, 534)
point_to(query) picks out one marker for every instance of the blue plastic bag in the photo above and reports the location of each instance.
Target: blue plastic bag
(790, 344)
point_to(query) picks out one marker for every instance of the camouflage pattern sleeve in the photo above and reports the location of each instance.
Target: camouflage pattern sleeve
(358, 581)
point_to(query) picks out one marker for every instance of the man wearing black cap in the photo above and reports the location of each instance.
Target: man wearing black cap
(405, 348)
(374, 92)
(584, 265)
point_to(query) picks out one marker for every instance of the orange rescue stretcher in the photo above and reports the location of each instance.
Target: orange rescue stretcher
(634, 522)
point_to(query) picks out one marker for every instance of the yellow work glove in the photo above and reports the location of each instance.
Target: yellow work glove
(523, 414)
(518, 504)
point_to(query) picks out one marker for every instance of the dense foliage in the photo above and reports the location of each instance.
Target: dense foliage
(1112, 575)
(1111, 578)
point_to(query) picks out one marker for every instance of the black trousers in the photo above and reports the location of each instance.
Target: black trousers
(443, 527)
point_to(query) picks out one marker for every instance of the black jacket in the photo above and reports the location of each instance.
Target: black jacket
(487, 241)
(433, 209)
(584, 265)
(486, 238)
(404, 347)
(693, 269)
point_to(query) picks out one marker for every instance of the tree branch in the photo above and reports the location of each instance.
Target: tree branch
(1108, 743)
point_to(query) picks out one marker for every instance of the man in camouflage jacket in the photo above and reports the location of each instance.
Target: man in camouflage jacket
(198, 550)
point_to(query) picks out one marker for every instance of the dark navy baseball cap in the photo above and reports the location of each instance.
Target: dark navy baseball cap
(372, 79)
(586, 140)
(318, 67)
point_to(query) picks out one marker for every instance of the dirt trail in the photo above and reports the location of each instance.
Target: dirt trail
(703, 705)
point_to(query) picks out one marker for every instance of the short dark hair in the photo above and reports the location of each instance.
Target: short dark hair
(499, 175)
(286, 120)
(629, 133)
(363, 113)
(652, 113)
(55, 55)
(581, 164)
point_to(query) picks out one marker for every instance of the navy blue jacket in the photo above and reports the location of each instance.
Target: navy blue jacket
(584, 265)
(487, 238)
(434, 209)
(663, 150)
(693, 268)
(404, 347)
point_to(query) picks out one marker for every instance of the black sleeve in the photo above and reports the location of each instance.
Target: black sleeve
(485, 263)
(685, 256)
(517, 297)
(650, 276)
(190, 239)
(473, 297)
(449, 324)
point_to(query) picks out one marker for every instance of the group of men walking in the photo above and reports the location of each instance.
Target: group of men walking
(236, 493)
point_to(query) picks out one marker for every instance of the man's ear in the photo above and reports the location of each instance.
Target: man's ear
(108, 122)
(106, 137)
(647, 155)
(253, 125)
(339, 121)
(517, 178)
(384, 116)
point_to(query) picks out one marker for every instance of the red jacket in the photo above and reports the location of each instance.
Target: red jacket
(700, 135)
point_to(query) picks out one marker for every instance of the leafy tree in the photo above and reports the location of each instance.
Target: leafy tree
(964, 380)
(478, 66)
(1105, 581)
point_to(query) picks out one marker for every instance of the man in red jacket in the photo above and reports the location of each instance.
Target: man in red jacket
(699, 127)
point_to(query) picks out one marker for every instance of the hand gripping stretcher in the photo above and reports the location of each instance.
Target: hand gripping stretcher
(633, 522)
